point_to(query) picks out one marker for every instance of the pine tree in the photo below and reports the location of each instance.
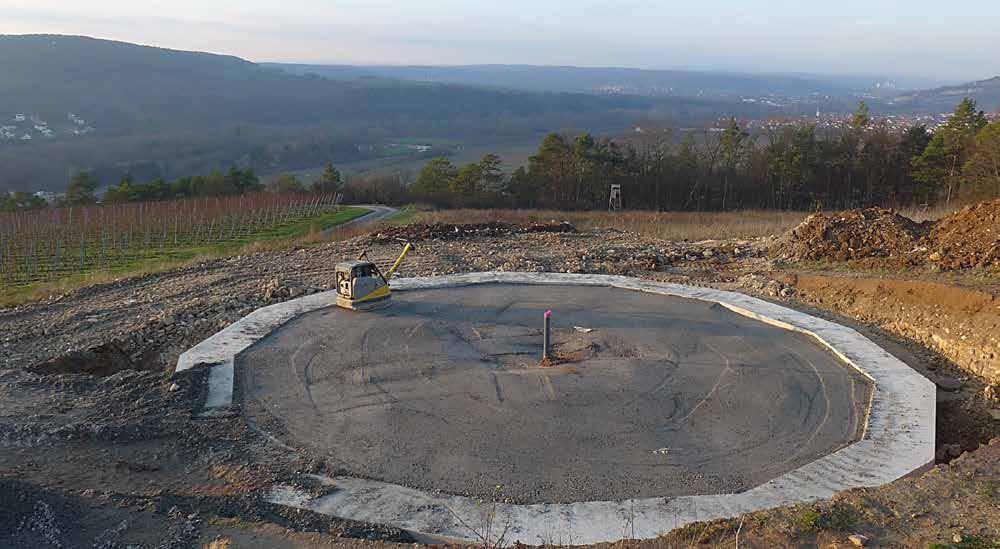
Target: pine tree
(862, 117)
(434, 181)
(81, 190)
(330, 182)
(982, 169)
(286, 183)
(949, 148)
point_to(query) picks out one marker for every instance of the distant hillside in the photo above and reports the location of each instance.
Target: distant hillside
(124, 87)
(985, 92)
(664, 83)
(163, 112)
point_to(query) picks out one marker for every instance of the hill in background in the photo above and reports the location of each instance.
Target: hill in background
(155, 112)
(985, 92)
(796, 91)
(130, 88)
(608, 81)
(114, 108)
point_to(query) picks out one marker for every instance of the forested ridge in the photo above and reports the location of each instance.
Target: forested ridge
(166, 113)
(124, 88)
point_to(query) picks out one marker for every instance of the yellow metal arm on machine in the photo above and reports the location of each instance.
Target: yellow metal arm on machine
(361, 284)
(395, 266)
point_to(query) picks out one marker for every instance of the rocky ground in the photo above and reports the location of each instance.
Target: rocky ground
(100, 445)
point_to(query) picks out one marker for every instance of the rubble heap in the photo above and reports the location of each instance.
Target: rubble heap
(450, 231)
(968, 238)
(854, 234)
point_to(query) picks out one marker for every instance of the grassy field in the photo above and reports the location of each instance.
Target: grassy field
(281, 234)
(409, 165)
(425, 141)
(397, 151)
(665, 225)
(405, 216)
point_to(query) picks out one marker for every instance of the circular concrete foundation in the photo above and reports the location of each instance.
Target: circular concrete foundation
(649, 396)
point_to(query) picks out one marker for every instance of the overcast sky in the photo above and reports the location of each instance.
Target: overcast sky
(951, 41)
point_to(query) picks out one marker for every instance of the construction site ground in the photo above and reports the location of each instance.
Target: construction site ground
(100, 445)
(643, 396)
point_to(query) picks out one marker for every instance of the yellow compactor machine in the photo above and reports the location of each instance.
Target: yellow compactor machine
(361, 286)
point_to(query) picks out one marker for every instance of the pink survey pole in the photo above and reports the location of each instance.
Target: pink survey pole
(546, 335)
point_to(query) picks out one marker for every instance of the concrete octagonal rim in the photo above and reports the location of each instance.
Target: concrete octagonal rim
(898, 439)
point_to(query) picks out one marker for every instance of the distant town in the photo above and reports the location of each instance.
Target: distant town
(836, 121)
(892, 122)
(21, 127)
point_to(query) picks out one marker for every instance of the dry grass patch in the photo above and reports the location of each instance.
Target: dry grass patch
(921, 214)
(219, 543)
(692, 226)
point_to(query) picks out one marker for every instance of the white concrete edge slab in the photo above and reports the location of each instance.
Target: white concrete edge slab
(898, 439)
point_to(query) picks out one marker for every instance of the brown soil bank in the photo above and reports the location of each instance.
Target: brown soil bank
(968, 238)
(962, 324)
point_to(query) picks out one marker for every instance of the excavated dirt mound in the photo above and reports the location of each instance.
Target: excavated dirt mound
(102, 360)
(968, 238)
(854, 234)
(450, 231)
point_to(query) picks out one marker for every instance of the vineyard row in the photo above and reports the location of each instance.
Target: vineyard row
(62, 243)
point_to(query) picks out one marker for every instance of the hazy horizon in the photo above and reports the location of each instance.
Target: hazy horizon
(895, 39)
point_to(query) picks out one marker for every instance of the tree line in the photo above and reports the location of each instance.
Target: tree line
(792, 167)
(82, 189)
